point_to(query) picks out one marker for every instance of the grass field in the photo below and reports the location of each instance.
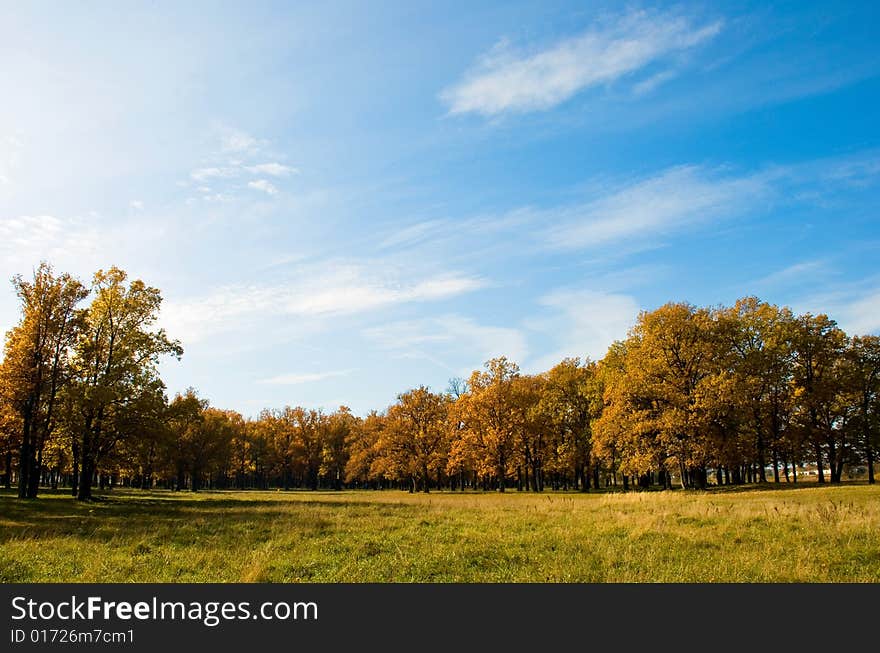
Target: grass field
(795, 534)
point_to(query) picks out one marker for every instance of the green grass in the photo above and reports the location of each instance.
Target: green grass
(806, 534)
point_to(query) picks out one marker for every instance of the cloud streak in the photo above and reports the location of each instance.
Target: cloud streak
(673, 199)
(585, 322)
(508, 81)
(264, 186)
(300, 378)
(455, 343)
(315, 292)
(273, 169)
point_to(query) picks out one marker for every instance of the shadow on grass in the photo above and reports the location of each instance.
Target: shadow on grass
(144, 515)
(762, 487)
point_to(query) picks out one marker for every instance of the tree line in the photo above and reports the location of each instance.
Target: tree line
(692, 396)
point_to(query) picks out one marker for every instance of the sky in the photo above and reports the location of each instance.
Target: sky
(342, 201)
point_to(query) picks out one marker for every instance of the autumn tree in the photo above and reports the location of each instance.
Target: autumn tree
(572, 398)
(656, 397)
(488, 416)
(310, 430)
(863, 384)
(210, 448)
(628, 436)
(239, 451)
(363, 449)
(819, 346)
(334, 457)
(280, 429)
(183, 419)
(260, 452)
(413, 446)
(758, 337)
(114, 368)
(35, 367)
(10, 432)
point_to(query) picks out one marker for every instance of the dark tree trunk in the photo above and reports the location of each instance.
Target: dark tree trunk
(869, 448)
(84, 493)
(74, 478)
(500, 471)
(762, 475)
(832, 461)
(839, 471)
(7, 479)
(24, 460)
(34, 479)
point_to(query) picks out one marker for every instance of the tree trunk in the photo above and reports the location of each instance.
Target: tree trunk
(24, 460)
(762, 475)
(36, 469)
(870, 465)
(74, 478)
(501, 472)
(819, 469)
(832, 461)
(7, 483)
(84, 492)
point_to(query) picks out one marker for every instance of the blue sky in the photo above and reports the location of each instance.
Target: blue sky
(342, 201)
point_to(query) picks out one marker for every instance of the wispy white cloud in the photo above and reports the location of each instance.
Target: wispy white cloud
(33, 227)
(792, 274)
(507, 80)
(861, 315)
(668, 201)
(455, 343)
(237, 141)
(306, 377)
(650, 84)
(27, 239)
(204, 174)
(442, 229)
(136, 205)
(239, 155)
(855, 306)
(583, 322)
(273, 169)
(314, 292)
(264, 186)
(619, 217)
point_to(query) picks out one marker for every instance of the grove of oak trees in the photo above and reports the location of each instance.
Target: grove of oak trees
(692, 396)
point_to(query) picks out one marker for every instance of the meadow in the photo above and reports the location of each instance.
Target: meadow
(805, 533)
